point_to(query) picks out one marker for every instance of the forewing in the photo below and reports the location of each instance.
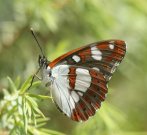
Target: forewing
(78, 91)
(103, 56)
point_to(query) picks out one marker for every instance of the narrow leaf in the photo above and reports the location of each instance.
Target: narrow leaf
(25, 85)
(39, 96)
(12, 85)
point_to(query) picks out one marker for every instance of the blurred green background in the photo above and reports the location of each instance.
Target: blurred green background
(64, 25)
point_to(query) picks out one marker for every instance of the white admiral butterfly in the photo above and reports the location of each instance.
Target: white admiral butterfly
(79, 78)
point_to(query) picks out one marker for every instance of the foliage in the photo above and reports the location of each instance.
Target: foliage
(19, 111)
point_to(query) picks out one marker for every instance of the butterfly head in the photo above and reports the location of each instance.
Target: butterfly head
(45, 70)
(43, 62)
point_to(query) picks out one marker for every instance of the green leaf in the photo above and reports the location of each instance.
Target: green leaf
(34, 118)
(34, 106)
(40, 125)
(25, 86)
(12, 85)
(29, 110)
(38, 111)
(13, 130)
(17, 81)
(40, 120)
(6, 92)
(39, 96)
(31, 102)
(25, 115)
(35, 84)
(4, 108)
(12, 111)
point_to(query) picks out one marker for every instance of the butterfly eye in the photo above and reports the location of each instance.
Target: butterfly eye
(49, 72)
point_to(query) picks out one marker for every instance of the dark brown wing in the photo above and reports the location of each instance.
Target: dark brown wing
(91, 88)
(104, 56)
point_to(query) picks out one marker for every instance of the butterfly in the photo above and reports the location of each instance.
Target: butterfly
(79, 78)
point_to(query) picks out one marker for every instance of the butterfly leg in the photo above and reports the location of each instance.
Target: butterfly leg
(33, 77)
(38, 77)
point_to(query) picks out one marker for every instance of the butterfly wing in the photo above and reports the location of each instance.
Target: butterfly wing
(80, 77)
(78, 91)
(103, 56)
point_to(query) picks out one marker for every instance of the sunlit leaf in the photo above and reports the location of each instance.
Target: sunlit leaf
(17, 81)
(26, 84)
(12, 85)
(39, 96)
(25, 115)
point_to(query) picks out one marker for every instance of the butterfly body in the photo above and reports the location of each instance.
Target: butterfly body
(79, 78)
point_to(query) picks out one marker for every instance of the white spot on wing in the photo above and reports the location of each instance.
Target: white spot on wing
(95, 50)
(111, 42)
(83, 79)
(113, 69)
(76, 58)
(60, 91)
(96, 54)
(59, 71)
(95, 68)
(97, 57)
(75, 96)
(117, 63)
(111, 46)
(80, 93)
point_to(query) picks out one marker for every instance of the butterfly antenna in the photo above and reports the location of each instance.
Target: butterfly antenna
(32, 31)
